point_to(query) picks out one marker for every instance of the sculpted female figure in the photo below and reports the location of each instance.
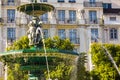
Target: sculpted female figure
(31, 33)
(34, 32)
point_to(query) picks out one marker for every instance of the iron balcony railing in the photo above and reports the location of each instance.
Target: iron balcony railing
(21, 20)
(93, 4)
(10, 41)
(26, 20)
(16, 3)
(93, 21)
(66, 21)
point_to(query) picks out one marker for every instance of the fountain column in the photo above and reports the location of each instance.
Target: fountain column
(5, 75)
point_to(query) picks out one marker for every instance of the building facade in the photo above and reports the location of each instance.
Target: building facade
(82, 21)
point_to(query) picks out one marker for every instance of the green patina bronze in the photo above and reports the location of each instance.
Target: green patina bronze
(35, 9)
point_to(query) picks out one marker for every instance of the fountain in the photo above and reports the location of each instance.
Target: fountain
(35, 59)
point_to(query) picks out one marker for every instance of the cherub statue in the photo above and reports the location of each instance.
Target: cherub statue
(31, 33)
(34, 32)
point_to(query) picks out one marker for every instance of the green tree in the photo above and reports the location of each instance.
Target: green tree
(14, 73)
(57, 43)
(22, 43)
(104, 69)
(62, 71)
(82, 74)
(54, 43)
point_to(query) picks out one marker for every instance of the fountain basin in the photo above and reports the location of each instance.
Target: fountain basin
(35, 9)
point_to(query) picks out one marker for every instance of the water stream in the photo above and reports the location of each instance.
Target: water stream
(108, 54)
(48, 71)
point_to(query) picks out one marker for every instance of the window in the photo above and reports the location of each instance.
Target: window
(61, 15)
(94, 34)
(73, 35)
(113, 33)
(72, 15)
(107, 5)
(112, 18)
(44, 18)
(72, 1)
(10, 1)
(61, 33)
(10, 15)
(11, 34)
(43, 0)
(93, 16)
(60, 0)
(45, 33)
(92, 1)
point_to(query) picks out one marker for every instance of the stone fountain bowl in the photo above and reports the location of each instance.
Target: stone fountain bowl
(35, 9)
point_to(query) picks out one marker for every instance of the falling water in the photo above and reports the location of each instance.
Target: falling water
(108, 54)
(48, 71)
(74, 72)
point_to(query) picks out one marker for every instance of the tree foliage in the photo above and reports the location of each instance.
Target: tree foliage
(82, 74)
(54, 43)
(14, 73)
(62, 70)
(104, 69)
(22, 43)
(57, 43)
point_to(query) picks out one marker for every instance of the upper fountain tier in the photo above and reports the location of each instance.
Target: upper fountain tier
(35, 9)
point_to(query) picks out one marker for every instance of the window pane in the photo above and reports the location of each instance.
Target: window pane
(72, 15)
(10, 15)
(45, 33)
(61, 15)
(44, 17)
(93, 16)
(107, 5)
(112, 18)
(113, 33)
(94, 34)
(71, 0)
(43, 0)
(73, 35)
(61, 33)
(11, 33)
(10, 0)
(60, 0)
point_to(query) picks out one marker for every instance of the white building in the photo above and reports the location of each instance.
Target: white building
(82, 21)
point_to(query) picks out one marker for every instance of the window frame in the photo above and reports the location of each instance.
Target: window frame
(61, 1)
(72, 1)
(94, 34)
(62, 33)
(11, 33)
(10, 15)
(73, 35)
(45, 33)
(113, 32)
(72, 15)
(112, 18)
(61, 15)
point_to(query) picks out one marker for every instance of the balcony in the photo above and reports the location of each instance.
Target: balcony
(10, 41)
(109, 22)
(87, 21)
(16, 3)
(66, 21)
(8, 20)
(92, 4)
